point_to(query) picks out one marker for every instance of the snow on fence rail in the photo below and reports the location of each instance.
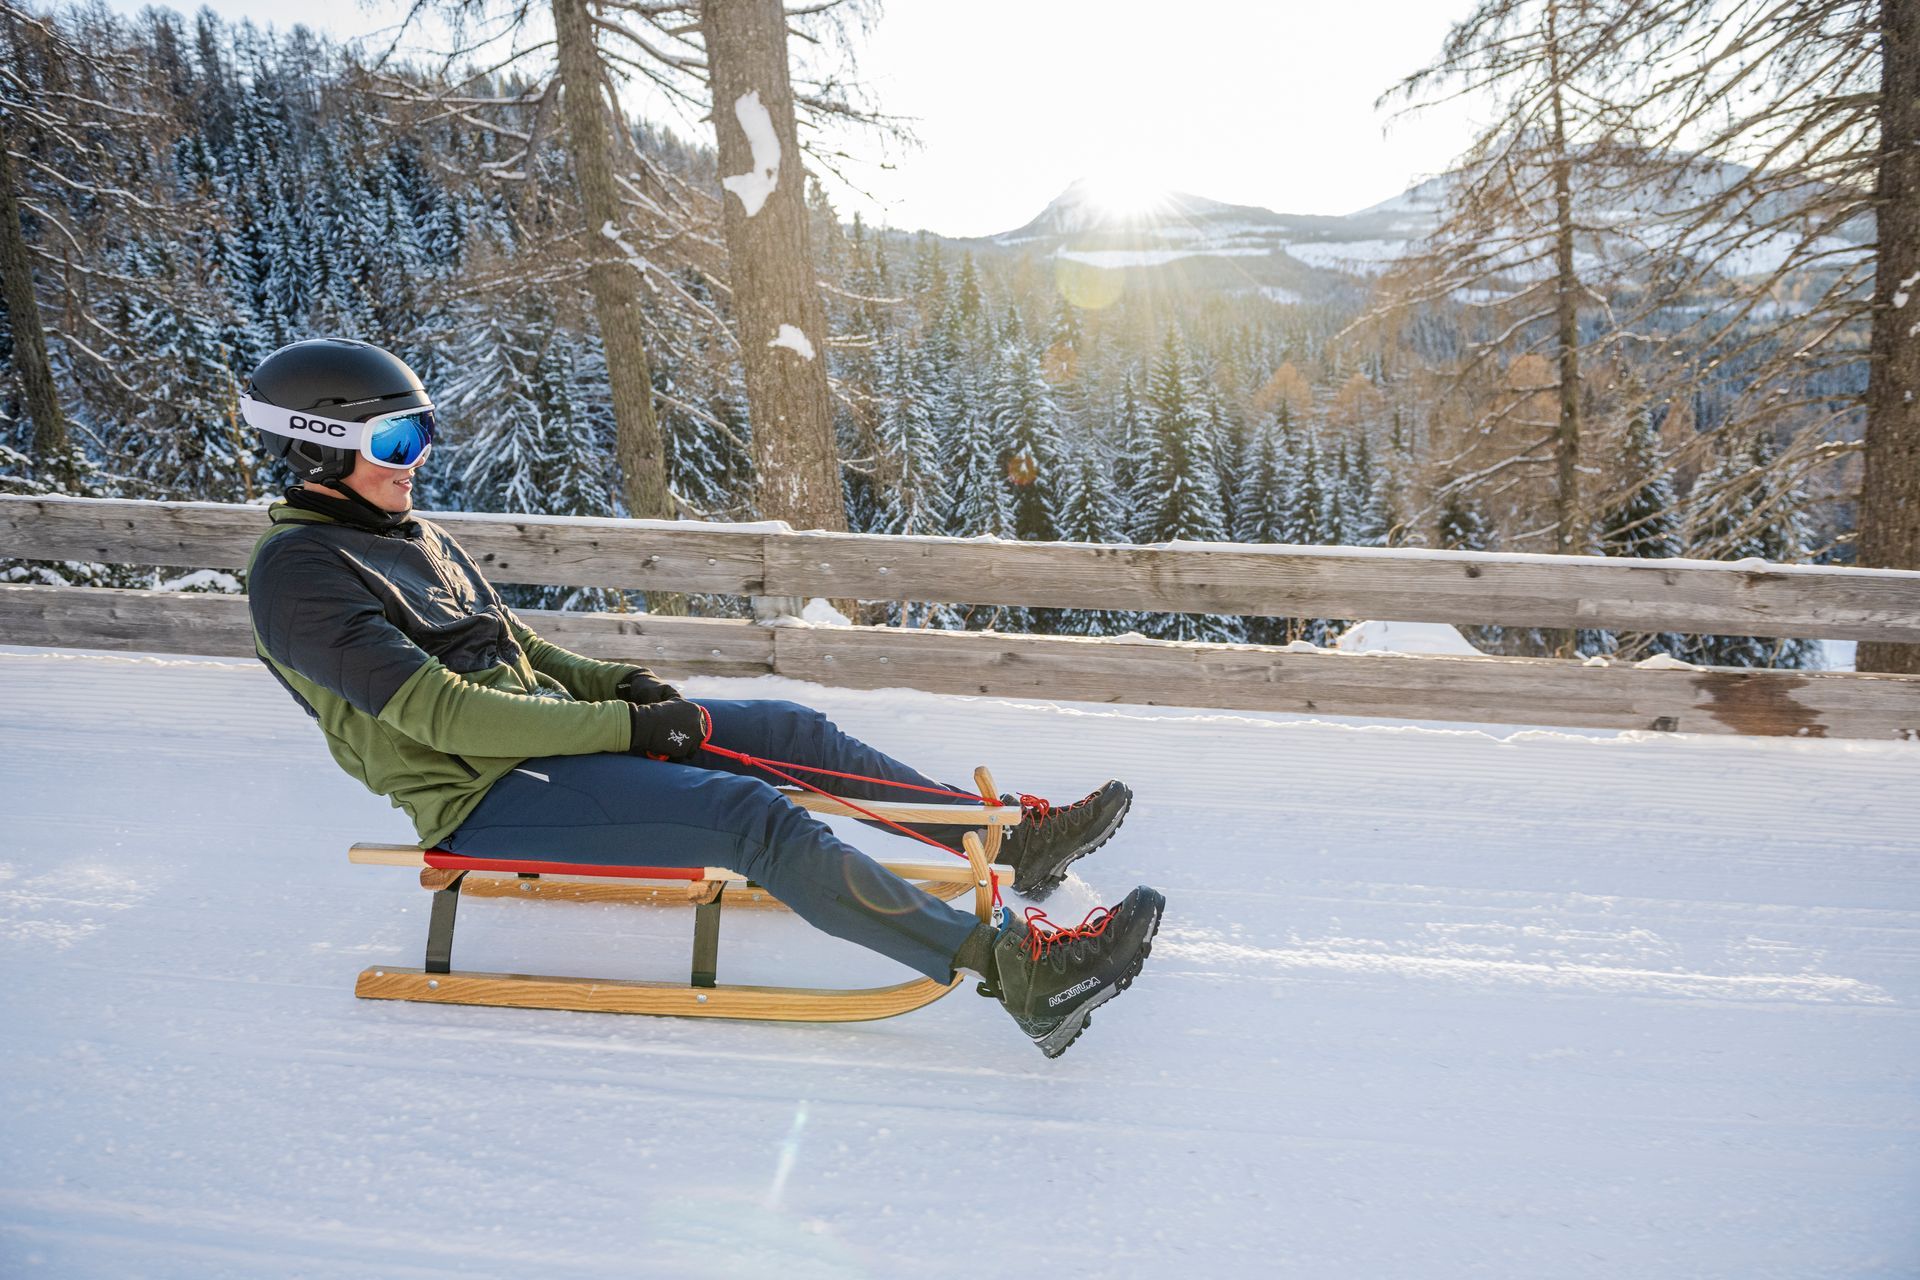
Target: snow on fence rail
(769, 560)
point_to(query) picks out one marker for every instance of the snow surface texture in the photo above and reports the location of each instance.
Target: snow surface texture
(793, 339)
(1427, 1002)
(754, 186)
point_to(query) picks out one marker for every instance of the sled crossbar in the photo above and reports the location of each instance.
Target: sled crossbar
(706, 889)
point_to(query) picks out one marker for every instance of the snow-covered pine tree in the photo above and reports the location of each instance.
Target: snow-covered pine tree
(1300, 495)
(578, 465)
(1779, 507)
(1066, 342)
(867, 280)
(496, 447)
(1397, 467)
(1230, 445)
(1259, 507)
(1644, 524)
(1133, 454)
(915, 497)
(1304, 500)
(344, 267)
(977, 475)
(1366, 523)
(854, 361)
(1258, 504)
(1090, 511)
(702, 410)
(1722, 525)
(1336, 491)
(969, 303)
(1180, 488)
(1463, 526)
(981, 506)
(927, 274)
(189, 442)
(1021, 412)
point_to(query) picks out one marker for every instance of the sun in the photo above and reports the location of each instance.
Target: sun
(1123, 193)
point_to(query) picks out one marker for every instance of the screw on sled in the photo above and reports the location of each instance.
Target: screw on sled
(707, 890)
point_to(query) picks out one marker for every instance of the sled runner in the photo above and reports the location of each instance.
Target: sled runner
(451, 876)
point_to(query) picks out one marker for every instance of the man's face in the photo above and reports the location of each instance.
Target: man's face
(387, 488)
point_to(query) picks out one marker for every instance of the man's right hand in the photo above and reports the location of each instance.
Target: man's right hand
(673, 730)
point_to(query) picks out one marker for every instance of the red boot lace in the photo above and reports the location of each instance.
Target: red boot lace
(1039, 944)
(1035, 808)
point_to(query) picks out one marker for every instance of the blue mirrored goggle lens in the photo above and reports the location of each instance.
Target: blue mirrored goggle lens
(400, 441)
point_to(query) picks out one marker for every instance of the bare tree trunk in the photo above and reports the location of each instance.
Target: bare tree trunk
(1567, 539)
(1566, 441)
(1890, 490)
(776, 299)
(637, 444)
(50, 451)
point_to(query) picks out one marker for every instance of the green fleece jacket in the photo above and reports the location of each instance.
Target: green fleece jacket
(426, 685)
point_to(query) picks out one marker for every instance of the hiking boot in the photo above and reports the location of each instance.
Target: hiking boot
(1051, 980)
(1048, 840)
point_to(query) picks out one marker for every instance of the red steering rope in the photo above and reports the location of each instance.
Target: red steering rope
(778, 768)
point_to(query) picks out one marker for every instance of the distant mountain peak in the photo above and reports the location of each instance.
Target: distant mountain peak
(1104, 204)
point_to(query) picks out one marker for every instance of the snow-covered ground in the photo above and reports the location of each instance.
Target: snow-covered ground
(1427, 1003)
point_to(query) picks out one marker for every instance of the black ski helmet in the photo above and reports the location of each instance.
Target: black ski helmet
(337, 378)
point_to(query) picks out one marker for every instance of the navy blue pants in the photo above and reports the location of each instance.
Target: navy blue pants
(621, 809)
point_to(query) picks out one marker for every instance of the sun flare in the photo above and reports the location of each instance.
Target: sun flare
(1124, 193)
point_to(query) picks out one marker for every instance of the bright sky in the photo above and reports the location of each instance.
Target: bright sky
(1265, 102)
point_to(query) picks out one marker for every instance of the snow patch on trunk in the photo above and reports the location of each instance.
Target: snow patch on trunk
(754, 186)
(793, 339)
(627, 251)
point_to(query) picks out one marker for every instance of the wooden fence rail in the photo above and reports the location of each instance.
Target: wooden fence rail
(1542, 591)
(1457, 587)
(1145, 672)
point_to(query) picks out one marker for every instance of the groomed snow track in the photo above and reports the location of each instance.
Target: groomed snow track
(1428, 1002)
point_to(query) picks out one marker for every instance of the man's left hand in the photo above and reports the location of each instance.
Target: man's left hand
(643, 688)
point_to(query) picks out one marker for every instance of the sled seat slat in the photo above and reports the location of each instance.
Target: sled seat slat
(972, 815)
(406, 855)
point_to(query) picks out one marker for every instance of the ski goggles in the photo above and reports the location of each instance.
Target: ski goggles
(398, 440)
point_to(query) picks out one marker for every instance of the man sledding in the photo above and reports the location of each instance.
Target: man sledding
(500, 745)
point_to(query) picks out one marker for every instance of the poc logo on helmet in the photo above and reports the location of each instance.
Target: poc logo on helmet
(315, 426)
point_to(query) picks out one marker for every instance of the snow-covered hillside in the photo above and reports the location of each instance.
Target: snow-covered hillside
(1295, 252)
(1428, 1002)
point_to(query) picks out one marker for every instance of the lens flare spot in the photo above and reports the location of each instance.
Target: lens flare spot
(1086, 286)
(875, 889)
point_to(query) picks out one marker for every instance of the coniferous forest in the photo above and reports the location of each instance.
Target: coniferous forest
(192, 195)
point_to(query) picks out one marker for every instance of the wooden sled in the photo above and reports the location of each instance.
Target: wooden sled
(707, 890)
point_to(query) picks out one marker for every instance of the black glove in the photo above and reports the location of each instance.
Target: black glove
(643, 688)
(671, 730)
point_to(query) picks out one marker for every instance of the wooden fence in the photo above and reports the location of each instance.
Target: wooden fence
(1455, 587)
